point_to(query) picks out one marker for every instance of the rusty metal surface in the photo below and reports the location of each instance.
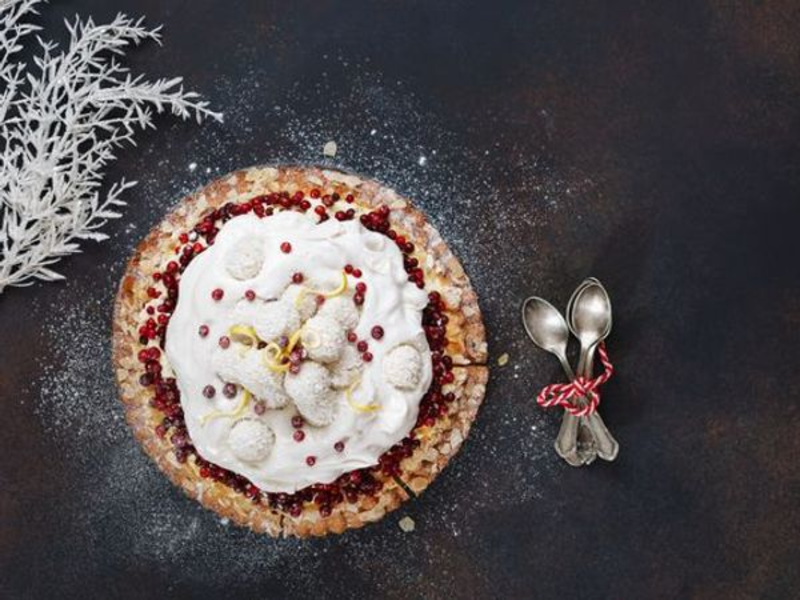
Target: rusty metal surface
(656, 147)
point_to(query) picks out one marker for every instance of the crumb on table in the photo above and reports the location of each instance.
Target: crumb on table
(407, 524)
(329, 149)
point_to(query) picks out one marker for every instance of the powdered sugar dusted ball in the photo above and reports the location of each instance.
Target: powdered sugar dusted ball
(343, 309)
(245, 258)
(347, 369)
(402, 367)
(306, 305)
(274, 319)
(248, 370)
(323, 338)
(311, 391)
(251, 440)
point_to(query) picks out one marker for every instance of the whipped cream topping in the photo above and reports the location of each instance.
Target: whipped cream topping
(373, 406)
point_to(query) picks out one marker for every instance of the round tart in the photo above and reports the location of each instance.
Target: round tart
(298, 349)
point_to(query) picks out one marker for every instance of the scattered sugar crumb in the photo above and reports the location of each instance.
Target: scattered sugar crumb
(329, 149)
(192, 166)
(421, 161)
(407, 524)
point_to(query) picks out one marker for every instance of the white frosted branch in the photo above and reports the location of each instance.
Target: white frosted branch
(60, 124)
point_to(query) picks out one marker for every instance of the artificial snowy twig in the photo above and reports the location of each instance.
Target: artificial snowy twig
(60, 125)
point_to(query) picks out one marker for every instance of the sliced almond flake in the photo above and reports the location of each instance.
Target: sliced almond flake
(262, 176)
(503, 359)
(350, 181)
(329, 149)
(456, 438)
(452, 296)
(407, 524)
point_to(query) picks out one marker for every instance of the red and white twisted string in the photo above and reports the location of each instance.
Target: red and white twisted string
(561, 394)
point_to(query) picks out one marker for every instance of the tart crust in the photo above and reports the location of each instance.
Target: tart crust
(443, 272)
(439, 443)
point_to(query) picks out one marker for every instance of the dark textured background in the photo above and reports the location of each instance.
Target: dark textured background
(654, 145)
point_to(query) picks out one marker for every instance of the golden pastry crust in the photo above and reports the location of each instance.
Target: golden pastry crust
(443, 272)
(440, 442)
(344, 515)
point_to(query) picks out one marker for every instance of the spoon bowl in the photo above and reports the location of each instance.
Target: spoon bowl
(545, 325)
(590, 317)
(571, 302)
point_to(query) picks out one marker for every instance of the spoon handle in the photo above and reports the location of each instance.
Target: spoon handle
(587, 439)
(574, 443)
(567, 441)
(585, 361)
(607, 446)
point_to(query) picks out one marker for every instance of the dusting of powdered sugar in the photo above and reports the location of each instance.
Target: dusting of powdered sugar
(461, 187)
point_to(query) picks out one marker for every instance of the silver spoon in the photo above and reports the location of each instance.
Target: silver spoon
(590, 320)
(587, 446)
(548, 330)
